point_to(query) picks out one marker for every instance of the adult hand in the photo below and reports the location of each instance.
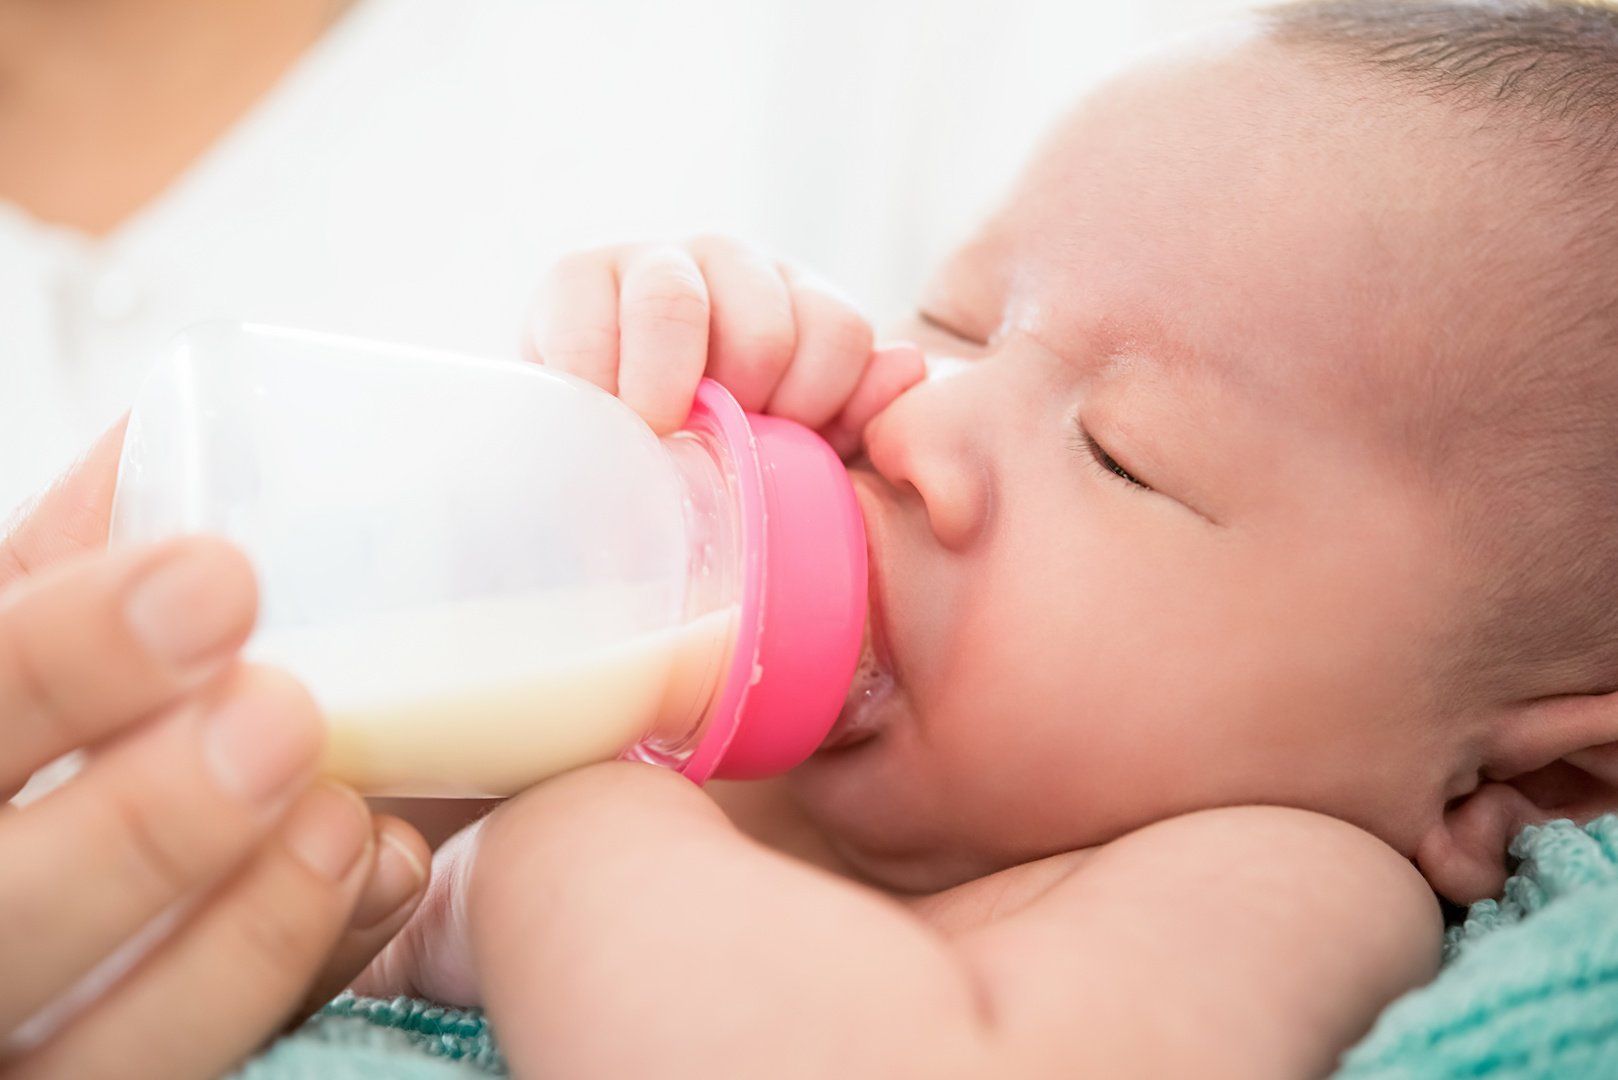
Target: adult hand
(194, 868)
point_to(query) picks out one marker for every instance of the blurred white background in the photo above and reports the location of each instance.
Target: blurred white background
(411, 177)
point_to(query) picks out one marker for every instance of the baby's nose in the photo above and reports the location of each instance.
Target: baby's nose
(927, 441)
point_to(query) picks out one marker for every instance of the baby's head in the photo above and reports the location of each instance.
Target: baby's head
(1286, 468)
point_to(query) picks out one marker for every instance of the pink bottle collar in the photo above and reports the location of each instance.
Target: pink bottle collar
(803, 594)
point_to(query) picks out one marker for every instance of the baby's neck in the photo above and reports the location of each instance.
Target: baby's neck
(766, 811)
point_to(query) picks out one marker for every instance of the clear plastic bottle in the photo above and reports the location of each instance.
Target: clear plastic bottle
(488, 573)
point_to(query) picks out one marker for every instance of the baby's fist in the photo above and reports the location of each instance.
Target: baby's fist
(647, 322)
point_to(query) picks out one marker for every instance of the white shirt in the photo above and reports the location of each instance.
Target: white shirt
(413, 175)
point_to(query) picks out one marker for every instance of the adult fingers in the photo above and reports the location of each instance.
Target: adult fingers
(391, 895)
(91, 645)
(575, 323)
(70, 517)
(160, 815)
(833, 347)
(662, 335)
(751, 333)
(893, 369)
(244, 959)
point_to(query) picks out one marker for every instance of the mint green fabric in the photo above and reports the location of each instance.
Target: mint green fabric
(369, 1039)
(1529, 986)
(1529, 989)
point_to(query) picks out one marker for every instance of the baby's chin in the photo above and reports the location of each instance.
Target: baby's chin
(875, 806)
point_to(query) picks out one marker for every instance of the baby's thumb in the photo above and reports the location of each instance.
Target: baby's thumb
(431, 957)
(893, 369)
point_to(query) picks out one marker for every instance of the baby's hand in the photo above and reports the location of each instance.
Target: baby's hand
(647, 322)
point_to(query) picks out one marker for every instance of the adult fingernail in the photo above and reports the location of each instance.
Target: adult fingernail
(192, 604)
(264, 735)
(399, 876)
(329, 830)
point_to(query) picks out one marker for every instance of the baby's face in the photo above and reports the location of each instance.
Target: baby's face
(1212, 276)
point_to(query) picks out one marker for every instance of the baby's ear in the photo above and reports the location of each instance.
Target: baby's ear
(1550, 758)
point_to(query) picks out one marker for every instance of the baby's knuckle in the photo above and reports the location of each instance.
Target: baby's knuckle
(567, 343)
(845, 331)
(714, 244)
(718, 248)
(668, 301)
(764, 347)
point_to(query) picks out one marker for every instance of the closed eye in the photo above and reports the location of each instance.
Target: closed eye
(1097, 455)
(933, 322)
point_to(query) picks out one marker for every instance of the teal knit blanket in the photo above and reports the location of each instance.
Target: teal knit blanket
(1529, 988)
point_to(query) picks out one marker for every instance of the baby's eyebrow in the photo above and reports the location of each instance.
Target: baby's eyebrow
(1148, 345)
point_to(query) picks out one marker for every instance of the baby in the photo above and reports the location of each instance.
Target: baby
(1259, 554)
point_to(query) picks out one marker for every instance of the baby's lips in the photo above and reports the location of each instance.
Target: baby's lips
(874, 642)
(873, 682)
(858, 719)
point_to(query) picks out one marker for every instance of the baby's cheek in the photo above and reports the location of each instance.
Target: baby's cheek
(1056, 734)
(1007, 732)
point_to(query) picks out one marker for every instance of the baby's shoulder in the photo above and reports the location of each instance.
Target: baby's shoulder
(1282, 930)
(1251, 845)
(1281, 864)
(1293, 865)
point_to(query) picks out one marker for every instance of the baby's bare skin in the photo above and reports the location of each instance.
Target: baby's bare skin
(1164, 613)
(615, 922)
(766, 812)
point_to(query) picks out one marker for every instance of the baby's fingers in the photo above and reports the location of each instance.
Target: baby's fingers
(575, 324)
(893, 370)
(241, 963)
(752, 332)
(832, 348)
(662, 335)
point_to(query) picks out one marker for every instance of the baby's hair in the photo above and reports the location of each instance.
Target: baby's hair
(1557, 59)
(1535, 432)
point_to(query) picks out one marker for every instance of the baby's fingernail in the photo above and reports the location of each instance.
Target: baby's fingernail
(261, 738)
(892, 353)
(191, 604)
(399, 876)
(329, 830)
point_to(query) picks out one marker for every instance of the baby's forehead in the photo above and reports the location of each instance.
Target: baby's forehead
(1295, 228)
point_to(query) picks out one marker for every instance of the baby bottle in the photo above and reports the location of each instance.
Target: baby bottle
(487, 572)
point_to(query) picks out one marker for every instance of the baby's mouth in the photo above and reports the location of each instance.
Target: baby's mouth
(860, 718)
(873, 683)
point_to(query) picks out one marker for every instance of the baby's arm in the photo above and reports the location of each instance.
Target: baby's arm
(619, 925)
